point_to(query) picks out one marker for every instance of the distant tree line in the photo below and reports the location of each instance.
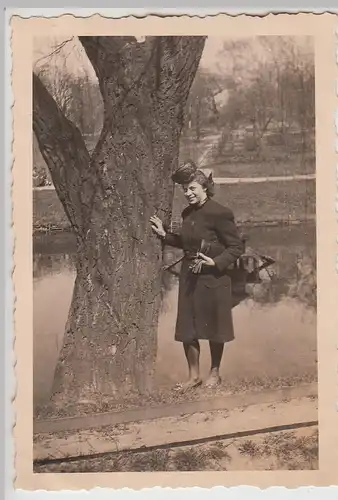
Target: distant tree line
(262, 84)
(262, 90)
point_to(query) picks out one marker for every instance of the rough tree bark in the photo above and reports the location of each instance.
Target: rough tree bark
(110, 340)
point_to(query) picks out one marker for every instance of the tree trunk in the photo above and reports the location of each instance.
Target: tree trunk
(110, 340)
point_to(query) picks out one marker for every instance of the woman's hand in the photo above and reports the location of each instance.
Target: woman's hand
(157, 226)
(202, 260)
(206, 261)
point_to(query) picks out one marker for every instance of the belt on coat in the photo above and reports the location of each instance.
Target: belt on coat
(186, 255)
(241, 264)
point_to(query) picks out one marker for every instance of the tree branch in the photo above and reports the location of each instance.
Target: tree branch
(116, 60)
(104, 53)
(180, 55)
(62, 147)
(57, 49)
(109, 57)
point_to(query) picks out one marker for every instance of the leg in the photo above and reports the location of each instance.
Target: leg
(216, 352)
(192, 354)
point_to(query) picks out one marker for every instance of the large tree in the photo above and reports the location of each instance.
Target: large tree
(108, 195)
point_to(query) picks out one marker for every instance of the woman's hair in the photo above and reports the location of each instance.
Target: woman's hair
(188, 172)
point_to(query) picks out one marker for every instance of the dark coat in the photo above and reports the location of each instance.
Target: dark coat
(205, 300)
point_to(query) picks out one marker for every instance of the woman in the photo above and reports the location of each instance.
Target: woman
(211, 245)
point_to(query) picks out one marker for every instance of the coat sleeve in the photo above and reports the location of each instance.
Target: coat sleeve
(229, 236)
(173, 240)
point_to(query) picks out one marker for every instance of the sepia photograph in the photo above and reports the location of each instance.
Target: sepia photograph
(174, 253)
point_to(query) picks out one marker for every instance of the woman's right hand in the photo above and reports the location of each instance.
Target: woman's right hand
(157, 226)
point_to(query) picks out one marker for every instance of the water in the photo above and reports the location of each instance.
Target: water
(275, 329)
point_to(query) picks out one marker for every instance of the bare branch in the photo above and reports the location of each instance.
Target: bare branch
(54, 52)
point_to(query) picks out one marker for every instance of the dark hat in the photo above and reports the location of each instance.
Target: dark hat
(184, 173)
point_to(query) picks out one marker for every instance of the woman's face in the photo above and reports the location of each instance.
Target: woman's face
(194, 193)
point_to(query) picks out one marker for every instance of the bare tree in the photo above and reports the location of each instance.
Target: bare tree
(108, 196)
(58, 82)
(273, 84)
(201, 108)
(293, 74)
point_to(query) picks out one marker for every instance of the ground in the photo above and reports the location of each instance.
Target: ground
(168, 396)
(275, 430)
(290, 450)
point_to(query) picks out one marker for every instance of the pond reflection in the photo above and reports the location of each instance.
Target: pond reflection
(275, 328)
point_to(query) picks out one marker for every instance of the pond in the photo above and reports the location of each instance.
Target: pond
(275, 328)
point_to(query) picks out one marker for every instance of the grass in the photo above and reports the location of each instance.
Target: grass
(279, 201)
(250, 448)
(188, 460)
(48, 210)
(274, 161)
(291, 451)
(193, 458)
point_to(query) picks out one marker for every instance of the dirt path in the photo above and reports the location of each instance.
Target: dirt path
(260, 180)
(180, 430)
(206, 155)
(277, 436)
